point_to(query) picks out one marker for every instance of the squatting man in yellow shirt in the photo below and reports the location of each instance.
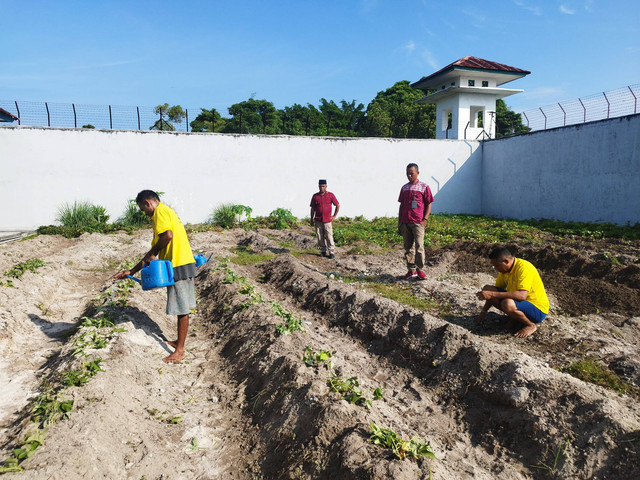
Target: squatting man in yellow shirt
(170, 242)
(518, 292)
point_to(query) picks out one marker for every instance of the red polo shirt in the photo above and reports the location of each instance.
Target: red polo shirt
(421, 193)
(321, 205)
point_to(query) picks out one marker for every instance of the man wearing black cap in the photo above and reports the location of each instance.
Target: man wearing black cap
(321, 218)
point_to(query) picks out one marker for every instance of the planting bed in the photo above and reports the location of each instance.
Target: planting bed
(244, 403)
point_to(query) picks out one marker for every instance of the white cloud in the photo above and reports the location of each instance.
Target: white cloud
(535, 9)
(427, 56)
(566, 10)
(409, 47)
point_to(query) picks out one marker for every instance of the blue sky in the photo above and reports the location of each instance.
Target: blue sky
(217, 53)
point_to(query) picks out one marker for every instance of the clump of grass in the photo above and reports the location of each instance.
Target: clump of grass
(246, 256)
(133, 217)
(229, 215)
(591, 370)
(82, 215)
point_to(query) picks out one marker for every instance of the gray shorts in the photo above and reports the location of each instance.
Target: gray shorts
(181, 297)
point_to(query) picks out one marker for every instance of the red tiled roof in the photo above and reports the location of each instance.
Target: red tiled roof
(475, 63)
(8, 114)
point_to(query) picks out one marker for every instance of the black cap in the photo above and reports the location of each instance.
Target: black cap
(322, 182)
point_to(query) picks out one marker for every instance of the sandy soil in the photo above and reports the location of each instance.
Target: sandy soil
(243, 404)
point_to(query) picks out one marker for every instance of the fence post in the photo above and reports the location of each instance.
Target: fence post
(608, 104)
(635, 101)
(545, 118)
(564, 121)
(186, 113)
(526, 118)
(138, 110)
(75, 119)
(18, 110)
(48, 116)
(110, 119)
(585, 111)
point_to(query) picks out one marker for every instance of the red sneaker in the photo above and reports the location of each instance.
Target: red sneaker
(421, 275)
(410, 274)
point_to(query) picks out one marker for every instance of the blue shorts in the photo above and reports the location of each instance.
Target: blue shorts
(532, 312)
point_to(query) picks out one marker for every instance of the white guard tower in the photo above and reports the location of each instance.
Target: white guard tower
(465, 96)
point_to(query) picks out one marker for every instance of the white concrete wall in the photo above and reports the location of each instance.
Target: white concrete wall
(587, 173)
(43, 168)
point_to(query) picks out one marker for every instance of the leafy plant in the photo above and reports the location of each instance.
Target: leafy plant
(80, 377)
(29, 446)
(349, 389)
(30, 265)
(313, 358)
(283, 218)
(49, 408)
(414, 448)
(291, 323)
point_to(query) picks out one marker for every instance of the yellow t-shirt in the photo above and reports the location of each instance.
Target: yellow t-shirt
(179, 249)
(524, 276)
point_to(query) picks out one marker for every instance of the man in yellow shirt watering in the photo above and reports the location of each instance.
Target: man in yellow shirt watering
(518, 292)
(170, 242)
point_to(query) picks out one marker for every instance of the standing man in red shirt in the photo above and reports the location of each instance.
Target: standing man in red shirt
(321, 218)
(415, 206)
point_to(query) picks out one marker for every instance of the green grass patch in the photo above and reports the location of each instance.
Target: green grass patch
(398, 292)
(591, 370)
(246, 256)
(443, 229)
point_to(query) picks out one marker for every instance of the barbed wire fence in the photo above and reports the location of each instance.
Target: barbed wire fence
(112, 117)
(611, 104)
(614, 103)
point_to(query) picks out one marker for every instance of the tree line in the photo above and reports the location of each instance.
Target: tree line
(392, 113)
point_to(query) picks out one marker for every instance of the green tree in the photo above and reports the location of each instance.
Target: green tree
(352, 115)
(508, 122)
(332, 117)
(168, 116)
(208, 121)
(395, 113)
(253, 116)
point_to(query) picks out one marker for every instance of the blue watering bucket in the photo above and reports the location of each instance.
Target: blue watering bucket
(159, 273)
(201, 259)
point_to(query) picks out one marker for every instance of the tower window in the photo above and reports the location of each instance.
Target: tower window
(485, 83)
(472, 83)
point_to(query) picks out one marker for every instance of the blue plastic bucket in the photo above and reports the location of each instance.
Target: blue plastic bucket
(159, 273)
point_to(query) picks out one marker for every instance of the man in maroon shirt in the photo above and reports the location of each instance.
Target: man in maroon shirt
(415, 206)
(321, 218)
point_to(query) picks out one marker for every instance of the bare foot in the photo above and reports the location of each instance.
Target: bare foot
(172, 343)
(175, 357)
(526, 331)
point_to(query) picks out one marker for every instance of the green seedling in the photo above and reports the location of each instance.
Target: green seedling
(313, 358)
(80, 377)
(349, 389)
(10, 465)
(175, 420)
(559, 458)
(30, 265)
(414, 448)
(254, 297)
(29, 446)
(377, 394)
(50, 408)
(291, 323)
